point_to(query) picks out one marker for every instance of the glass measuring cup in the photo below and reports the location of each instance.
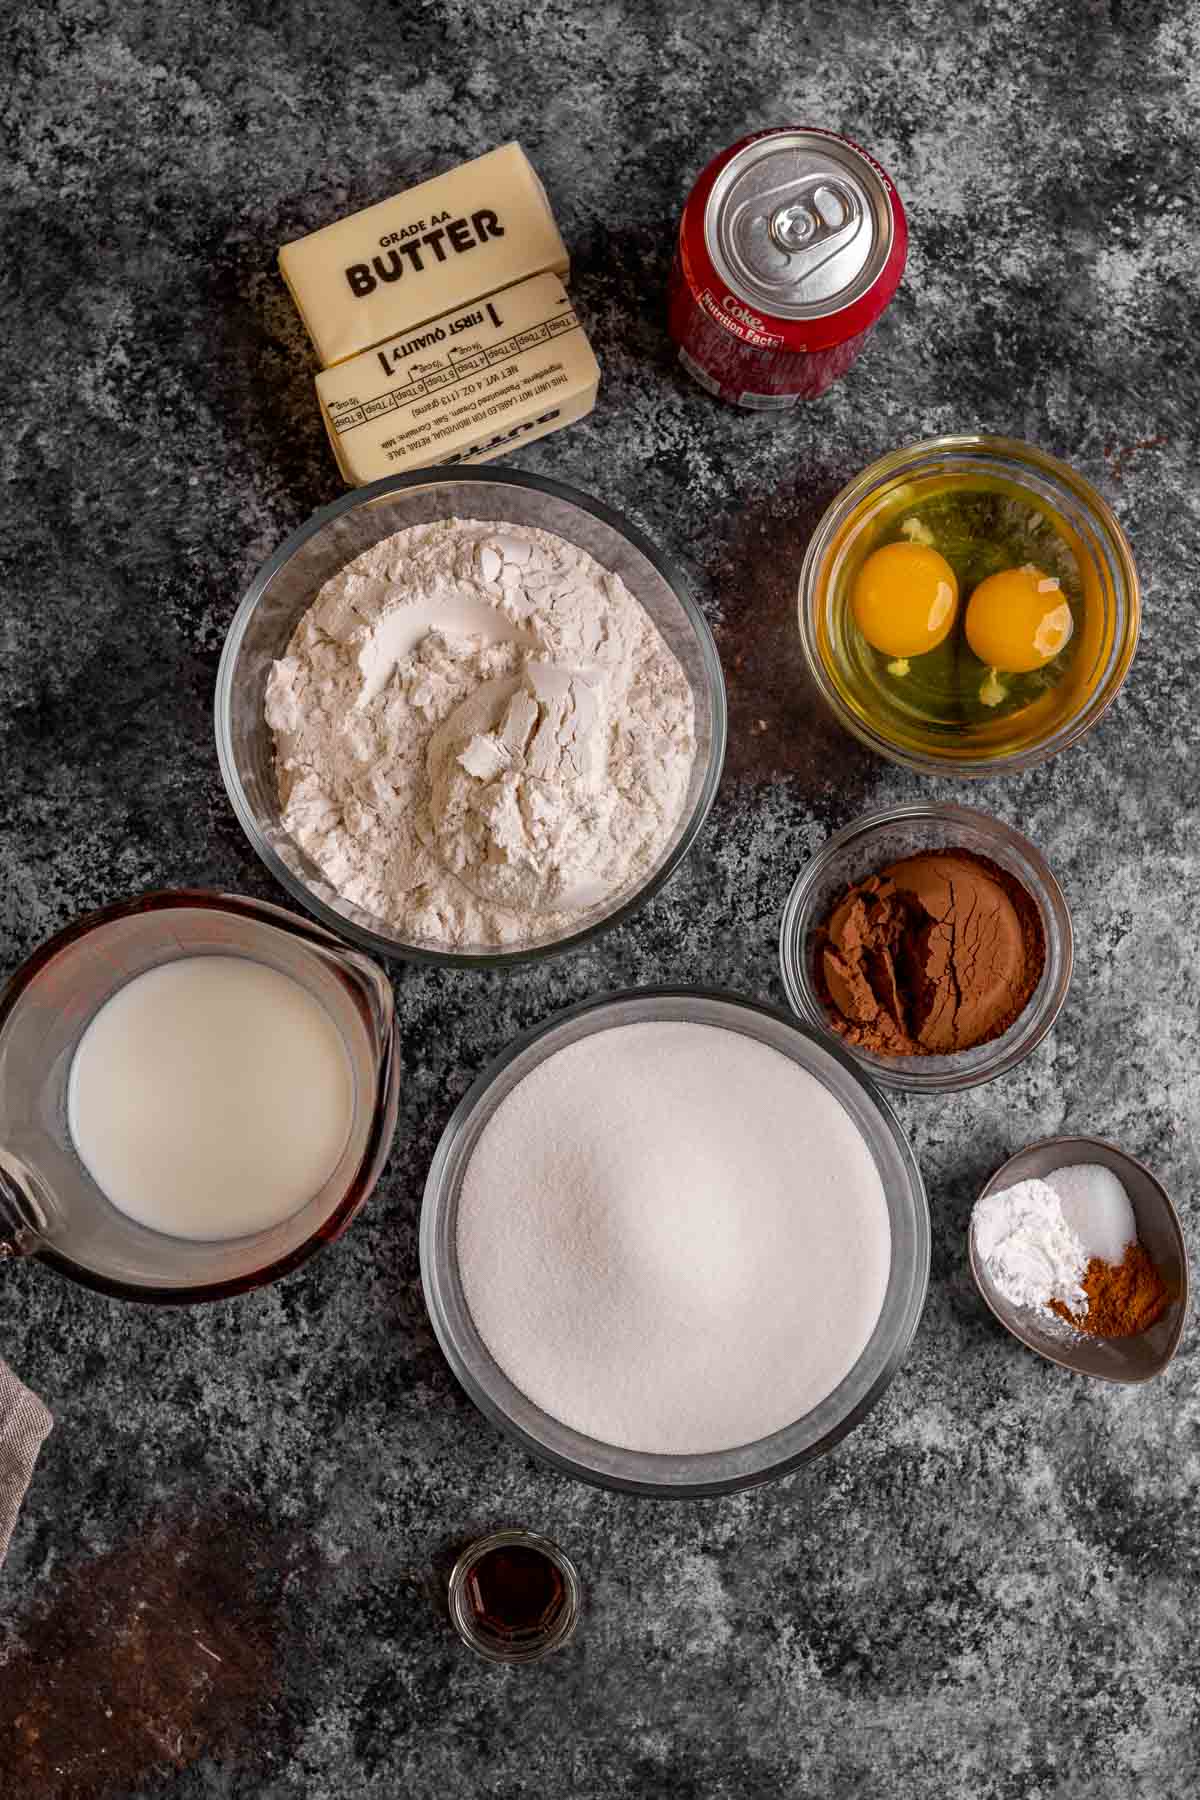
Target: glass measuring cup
(51, 1209)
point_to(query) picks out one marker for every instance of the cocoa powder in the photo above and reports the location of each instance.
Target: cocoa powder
(935, 954)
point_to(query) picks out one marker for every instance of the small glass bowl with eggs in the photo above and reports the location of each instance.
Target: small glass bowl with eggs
(969, 605)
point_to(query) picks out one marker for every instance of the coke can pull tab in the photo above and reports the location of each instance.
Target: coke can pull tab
(790, 242)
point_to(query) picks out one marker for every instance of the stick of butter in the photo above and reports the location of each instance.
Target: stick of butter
(463, 387)
(474, 230)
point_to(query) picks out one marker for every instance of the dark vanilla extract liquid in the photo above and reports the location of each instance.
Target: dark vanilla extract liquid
(515, 1592)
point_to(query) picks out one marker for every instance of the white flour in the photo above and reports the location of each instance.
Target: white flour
(480, 734)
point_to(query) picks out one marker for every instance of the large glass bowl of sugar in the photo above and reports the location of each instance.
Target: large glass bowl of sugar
(286, 586)
(744, 1464)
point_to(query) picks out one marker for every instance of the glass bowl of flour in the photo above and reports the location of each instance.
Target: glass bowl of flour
(470, 718)
(674, 1243)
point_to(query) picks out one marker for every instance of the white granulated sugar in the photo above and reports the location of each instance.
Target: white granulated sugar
(673, 1239)
(480, 734)
(1096, 1207)
(1029, 1250)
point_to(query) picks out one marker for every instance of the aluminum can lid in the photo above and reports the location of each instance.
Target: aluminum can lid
(799, 224)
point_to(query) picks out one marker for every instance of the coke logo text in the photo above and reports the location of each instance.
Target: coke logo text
(743, 313)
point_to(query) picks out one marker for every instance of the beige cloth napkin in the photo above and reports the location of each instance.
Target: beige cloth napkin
(24, 1427)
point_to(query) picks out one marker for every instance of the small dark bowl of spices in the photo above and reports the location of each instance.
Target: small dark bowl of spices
(514, 1597)
(1077, 1250)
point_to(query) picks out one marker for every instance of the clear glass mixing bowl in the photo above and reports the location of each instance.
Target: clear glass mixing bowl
(634, 1471)
(1108, 579)
(286, 586)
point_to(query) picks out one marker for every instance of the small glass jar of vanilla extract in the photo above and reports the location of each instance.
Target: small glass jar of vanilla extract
(514, 1597)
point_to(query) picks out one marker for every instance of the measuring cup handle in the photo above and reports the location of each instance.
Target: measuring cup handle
(23, 1217)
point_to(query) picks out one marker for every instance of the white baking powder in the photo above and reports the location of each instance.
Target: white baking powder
(1036, 1238)
(480, 734)
(1029, 1250)
(673, 1239)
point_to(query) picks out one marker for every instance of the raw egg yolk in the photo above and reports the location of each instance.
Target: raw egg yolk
(1018, 620)
(904, 599)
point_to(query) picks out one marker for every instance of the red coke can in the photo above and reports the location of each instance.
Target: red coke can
(791, 246)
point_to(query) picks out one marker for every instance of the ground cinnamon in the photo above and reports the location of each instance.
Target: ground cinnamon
(1123, 1298)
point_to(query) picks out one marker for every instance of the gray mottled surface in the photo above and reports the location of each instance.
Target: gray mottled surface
(990, 1591)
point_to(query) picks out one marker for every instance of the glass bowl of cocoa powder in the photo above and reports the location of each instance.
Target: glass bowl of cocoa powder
(857, 956)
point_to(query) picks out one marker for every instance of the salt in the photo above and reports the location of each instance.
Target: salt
(1096, 1207)
(673, 1239)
